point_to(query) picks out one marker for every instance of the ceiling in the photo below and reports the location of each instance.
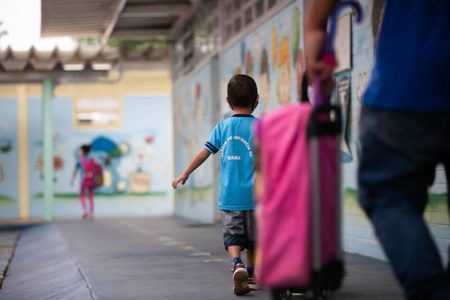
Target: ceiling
(143, 19)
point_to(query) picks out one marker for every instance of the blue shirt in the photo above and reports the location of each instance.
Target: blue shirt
(233, 139)
(412, 68)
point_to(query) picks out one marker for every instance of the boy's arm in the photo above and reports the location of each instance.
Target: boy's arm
(195, 163)
(315, 38)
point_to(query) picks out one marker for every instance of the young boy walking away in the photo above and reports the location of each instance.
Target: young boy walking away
(232, 138)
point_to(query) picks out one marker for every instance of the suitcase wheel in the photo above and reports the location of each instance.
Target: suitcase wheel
(281, 294)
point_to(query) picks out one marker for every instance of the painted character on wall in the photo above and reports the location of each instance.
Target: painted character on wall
(264, 80)
(109, 154)
(58, 165)
(274, 46)
(249, 64)
(5, 147)
(300, 72)
(140, 180)
(284, 73)
(295, 34)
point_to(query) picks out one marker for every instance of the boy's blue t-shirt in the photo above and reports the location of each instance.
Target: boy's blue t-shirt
(412, 57)
(233, 139)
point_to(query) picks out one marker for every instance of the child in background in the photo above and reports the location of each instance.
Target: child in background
(86, 186)
(232, 137)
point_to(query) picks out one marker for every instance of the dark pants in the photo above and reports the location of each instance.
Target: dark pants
(399, 153)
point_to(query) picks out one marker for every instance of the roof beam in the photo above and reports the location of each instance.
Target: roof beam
(112, 24)
(155, 10)
(142, 33)
(183, 18)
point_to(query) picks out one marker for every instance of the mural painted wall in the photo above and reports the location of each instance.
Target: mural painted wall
(273, 55)
(193, 123)
(134, 158)
(9, 170)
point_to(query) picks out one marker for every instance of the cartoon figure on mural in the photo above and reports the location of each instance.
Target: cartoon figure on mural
(249, 63)
(264, 80)
(58, 165)
(284, 73)
(108, 154)
(257, 47)
(140, 180)
(5, 147)
(295, 34)
(274, 46)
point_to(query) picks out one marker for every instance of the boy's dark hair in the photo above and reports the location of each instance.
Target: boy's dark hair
(86, 149)
(242, 91)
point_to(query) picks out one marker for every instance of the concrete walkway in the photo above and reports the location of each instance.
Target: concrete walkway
(8, 239)
(148, 258)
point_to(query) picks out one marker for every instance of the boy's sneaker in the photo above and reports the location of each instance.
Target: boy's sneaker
(240, 278)
(252, 283)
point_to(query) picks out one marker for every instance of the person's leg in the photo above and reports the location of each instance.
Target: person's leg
(91, 202)
(396, 167)
(233, 230)
(250, 262)
(234, 252)
(250, 241)
(83, 201)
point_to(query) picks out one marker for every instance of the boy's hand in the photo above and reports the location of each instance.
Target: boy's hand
(182, 178)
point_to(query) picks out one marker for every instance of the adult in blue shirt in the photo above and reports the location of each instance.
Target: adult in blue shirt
(404, 132)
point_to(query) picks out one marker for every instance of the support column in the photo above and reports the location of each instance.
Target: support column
(47, 139)
(23, 151)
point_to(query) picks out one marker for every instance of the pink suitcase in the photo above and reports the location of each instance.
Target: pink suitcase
(298, 212)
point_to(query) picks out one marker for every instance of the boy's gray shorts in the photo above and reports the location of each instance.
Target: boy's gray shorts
(238, 229)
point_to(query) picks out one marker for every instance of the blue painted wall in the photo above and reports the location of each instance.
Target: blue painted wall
(9, 163)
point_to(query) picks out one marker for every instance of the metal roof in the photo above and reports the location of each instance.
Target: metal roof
(33, 64)
(120, 18)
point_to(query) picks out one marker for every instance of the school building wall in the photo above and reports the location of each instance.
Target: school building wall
(272, 52)
(135, 154)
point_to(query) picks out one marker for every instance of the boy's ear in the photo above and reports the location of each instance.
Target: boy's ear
(255, 104)
(229, 103)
